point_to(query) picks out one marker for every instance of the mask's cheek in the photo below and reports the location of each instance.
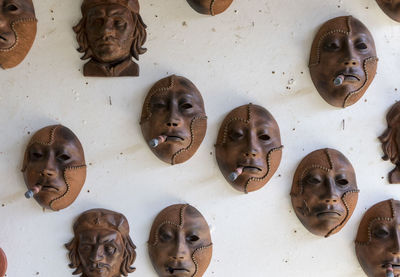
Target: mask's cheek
(201, 258)
(349, 199)
(25, 32)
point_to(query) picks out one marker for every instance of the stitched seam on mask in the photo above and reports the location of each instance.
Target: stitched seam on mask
(51, 137)
(66, 182)
(369, 229)
(328, 155)
(392, 207)
(308, 169)
(181, 213)
(366, 61)
(347, 211)
(32, 19)
(268, 168)
(212, 7)
(196, 264)
(349, 24)
(236, 119)
(192, 138)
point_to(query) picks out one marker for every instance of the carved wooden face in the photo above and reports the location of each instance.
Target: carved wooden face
(211, 7)
(248, 147)
(377, 242)
(3, 263)
(17, 31)
(343, 61)
(54, 167)
(391, 8)
(180, 242)
(173, 119)
(324, 191)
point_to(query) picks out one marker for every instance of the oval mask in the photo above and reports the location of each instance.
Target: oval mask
(210, 7)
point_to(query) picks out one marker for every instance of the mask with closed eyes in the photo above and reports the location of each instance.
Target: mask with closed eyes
(390, 8)
(210, 7)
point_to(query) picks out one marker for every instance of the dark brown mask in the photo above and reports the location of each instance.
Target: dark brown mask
(180, 242)
(248, 147)
(110, 33)
(54, 167)
(391, 8)
(173, 119)
(324, 191)
(377, 242)
(343, 61)
(391, 141)
(211, 7)
(3, 263)
(101, 246)
(17, 31)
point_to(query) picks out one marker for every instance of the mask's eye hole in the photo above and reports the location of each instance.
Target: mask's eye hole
(159, 105)
(380, 232)
(234, 135)
(37, 155)
(192, 238)
(11, 8)
(264, 137)
(110, 250)
(164, 236)
(186, 106)
(332, 46)
(342, 182)
(63, 157)
(361, 46)
(313, 180)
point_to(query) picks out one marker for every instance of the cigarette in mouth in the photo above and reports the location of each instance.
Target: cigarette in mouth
(157, 141)
(389, 270)
(338, 80)
(235, 174)
(30, 193)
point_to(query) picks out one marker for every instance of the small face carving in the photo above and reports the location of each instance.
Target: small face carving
(110, 33)
(343, 61)
(391, 8)
(211, 7)
(324, 191)
(180, 242)
(3, 263)
(248, 147)
(173, 119)
(54, 167)
(17, 20)
(101, 246)
(377, 242)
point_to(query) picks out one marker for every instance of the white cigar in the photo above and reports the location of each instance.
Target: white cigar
(30, 193)
(156, 141)
(339, 80)
(235, 174)
(389, 270)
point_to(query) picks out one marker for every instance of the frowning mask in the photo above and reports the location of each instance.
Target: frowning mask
(211, 7)
(324, 191)
(180, 242)
(101, 246)
(17, 31)
(54, 167)
(173, 119)
(377, 242)
(343, 61)
(248, 147)
(391, 8)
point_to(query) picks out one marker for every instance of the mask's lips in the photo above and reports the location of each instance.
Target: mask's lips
(328, 213)
(250, 168)
(2, 38)
(351, 78)
(173, 137)
(46, 186)
(173, 270)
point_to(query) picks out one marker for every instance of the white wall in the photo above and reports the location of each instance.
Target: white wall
(230, 58)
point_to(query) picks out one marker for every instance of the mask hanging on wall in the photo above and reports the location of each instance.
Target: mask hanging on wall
(110, 33)
(343, 61)
(377, 242)
(54, 167)
(210, 7)
(173, 119)
(248, 147)
(391, 8)
(3, 263)
(17, 31)
(324, 191)
(180, 242)
(101, 246)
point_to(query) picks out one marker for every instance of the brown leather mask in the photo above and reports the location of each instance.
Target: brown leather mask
(211, 7)
(110, 33)
(324, 191)
(248, 147)
(173, 119)
(54, 167)
(343, 61)
(3, 263)
(101, 246)
(17, 31)
(180, 242)
(391, 8)
(377, 242)
(390, 142)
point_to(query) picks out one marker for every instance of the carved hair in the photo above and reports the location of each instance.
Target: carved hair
(388, 138)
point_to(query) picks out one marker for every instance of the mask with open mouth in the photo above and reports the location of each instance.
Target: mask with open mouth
(17, 31)
(324, 191)
(390, 8)
(248, 148)
(173, 119)
(180, 242)
(210, 7)
(54, 167)
(377, 243)
(343, 61)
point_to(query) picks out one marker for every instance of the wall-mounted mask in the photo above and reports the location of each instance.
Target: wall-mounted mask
(343, 61)
(391, 8)
(324, 191)
(180, 242)
(210, 7)
(110, 33)
(17, 31)
(173, 119)
(54, 167)
(391, 142)
(377, 242)
(101, 246)
(248, 147)
(3, 263)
